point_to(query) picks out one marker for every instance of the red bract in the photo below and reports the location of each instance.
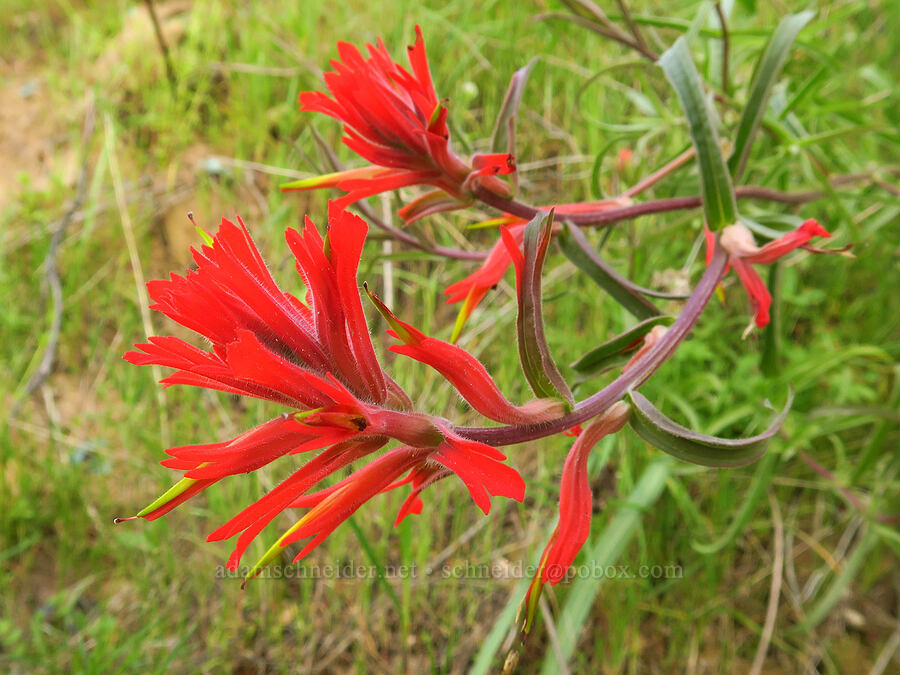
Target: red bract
(744, 253)
(315, 357)
(466, 373)
(575, 509)
(392, 118)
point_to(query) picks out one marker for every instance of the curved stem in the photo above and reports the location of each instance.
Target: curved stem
(633, 378)
(609, 216)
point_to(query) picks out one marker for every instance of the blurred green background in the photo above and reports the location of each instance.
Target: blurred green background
(82, 595)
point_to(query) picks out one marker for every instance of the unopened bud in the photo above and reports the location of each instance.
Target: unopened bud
(650, 340)
(738, 241)
(624, 160)
(615, 417)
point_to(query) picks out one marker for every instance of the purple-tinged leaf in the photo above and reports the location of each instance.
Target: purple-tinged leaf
(537, 363)
(691, 446)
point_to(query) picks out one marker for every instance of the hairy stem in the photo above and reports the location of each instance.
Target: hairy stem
(609, 216)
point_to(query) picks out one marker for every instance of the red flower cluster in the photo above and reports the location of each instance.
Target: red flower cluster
(393, 118)
(315, 357)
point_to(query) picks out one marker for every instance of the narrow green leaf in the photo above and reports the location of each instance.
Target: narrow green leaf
(766, 74)
(604, 551)
(670, 437)
(618, 350)
(537, 363)
(719, 205)
(578, 250)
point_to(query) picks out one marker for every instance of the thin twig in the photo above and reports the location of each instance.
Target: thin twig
(660, 173)
(607, 216)
(51, 270)
(163, 47)
(610, 32)
(726, 47)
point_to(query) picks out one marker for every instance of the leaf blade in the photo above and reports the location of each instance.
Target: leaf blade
(537, 363)
(767, 71)
(615, 350)
(691, 446)
(719, 203)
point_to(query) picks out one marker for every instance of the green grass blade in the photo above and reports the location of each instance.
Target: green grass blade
(719, 205)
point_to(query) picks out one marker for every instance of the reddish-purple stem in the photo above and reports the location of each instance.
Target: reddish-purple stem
(639, 372)
(609, 216)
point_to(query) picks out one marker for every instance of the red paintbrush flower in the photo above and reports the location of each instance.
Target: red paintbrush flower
(316, 357)
(392, 118)
(466, 373)
(575, 509)
(744, 253)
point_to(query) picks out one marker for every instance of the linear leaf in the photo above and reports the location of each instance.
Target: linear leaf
(691, 446)
(537, 363)
(767, 71)
(719, 205)
(617, 350)
(578, 250)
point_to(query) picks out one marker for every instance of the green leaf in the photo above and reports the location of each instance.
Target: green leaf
(616, 351)
(577, 249)
(537, 363)
(767, 71)
(691, 446)
(719, 205)
(606, 550)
